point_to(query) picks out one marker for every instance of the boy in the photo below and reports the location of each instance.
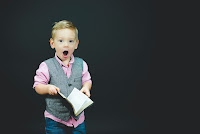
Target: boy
(63, 72)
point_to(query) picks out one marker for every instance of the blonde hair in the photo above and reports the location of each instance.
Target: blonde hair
(62, 25)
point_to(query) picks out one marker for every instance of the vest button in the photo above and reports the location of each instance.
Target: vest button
(69, 85)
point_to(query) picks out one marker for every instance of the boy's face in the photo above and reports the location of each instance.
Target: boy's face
(64, 43)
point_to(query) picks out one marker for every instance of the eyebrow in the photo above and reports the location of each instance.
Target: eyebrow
(71, 38)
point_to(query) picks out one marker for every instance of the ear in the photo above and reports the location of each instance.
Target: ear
(52, 43)
(77, 42)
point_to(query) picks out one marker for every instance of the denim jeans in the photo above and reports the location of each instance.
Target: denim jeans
(53, 127)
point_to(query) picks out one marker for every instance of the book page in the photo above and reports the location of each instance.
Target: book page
(87, 103)
(77, 99)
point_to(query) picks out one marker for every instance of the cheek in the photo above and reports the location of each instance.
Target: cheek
(71, 48)
(58, 49)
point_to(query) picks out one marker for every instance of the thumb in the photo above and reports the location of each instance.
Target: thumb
(82, 90)
(88, 94)
(57, 89)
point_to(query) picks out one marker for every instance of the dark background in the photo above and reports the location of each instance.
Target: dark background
(121, 40)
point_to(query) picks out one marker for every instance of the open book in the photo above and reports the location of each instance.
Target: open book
(78, 100)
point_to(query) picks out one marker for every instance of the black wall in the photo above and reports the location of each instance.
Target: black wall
(117, 40)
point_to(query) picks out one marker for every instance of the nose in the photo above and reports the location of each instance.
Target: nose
(66, 44)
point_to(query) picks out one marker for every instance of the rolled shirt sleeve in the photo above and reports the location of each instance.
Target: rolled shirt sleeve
(86, 75)
(42, 75)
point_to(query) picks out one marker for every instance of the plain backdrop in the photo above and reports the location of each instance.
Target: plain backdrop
(118, 42)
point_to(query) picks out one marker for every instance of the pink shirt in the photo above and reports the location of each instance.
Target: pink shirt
(42, 77)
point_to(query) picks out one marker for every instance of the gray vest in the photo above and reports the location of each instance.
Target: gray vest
(56, 105)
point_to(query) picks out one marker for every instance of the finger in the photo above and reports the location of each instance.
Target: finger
(51, 93)
(88, 94)
(55, 92)
(57, 89)
(82, 90)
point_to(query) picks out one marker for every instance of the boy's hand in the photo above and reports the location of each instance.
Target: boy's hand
(86, 91)
(53, 90)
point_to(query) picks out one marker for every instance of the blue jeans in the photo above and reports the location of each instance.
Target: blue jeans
(53, 127)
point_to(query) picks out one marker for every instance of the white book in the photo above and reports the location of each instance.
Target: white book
(78, 100)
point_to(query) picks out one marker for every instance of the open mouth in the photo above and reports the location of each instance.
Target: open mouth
(65, 53)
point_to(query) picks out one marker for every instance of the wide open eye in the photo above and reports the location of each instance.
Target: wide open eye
(71, 41)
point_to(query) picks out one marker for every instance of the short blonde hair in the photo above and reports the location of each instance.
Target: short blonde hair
(62, 25)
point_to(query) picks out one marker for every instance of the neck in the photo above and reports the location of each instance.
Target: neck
(66, 62)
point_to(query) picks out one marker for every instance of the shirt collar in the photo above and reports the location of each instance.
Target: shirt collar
(61, 63)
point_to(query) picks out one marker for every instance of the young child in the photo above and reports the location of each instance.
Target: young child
(62, 72)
